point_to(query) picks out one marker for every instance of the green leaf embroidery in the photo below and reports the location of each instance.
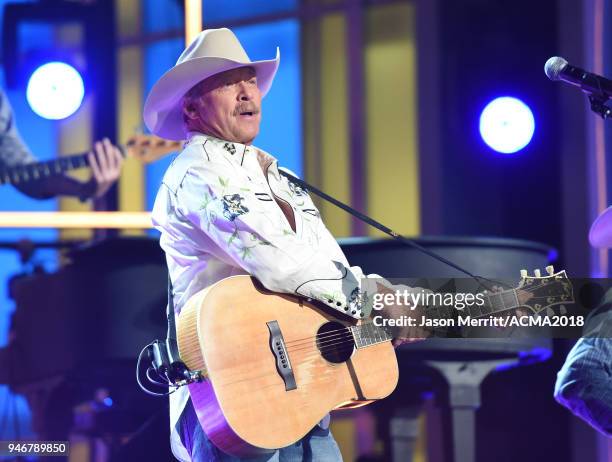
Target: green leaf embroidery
(246, 251)
(255, 238)
(233, 236)
(207, 200)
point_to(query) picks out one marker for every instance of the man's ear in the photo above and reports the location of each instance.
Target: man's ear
(189, 110)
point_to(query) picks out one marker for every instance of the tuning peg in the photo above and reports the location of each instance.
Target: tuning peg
(550, 312)
(562, 309)
(536, 273)
(550, 270)
(523, 273)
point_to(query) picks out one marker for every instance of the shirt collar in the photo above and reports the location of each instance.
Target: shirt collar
(230, 147)
(234, 151)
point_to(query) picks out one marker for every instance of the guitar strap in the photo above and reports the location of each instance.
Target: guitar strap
(170, 313)
(177, 370)
(383, 228)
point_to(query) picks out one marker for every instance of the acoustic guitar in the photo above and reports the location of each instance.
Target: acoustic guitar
(145, 148)
(276, 364)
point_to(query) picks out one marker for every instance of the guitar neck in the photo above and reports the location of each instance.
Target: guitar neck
(145, 148)
(495, 302)
(367, 333)
(25, 173)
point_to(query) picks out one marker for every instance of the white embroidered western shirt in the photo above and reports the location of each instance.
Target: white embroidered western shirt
(219, 215)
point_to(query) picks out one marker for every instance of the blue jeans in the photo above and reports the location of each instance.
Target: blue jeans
(317, 446)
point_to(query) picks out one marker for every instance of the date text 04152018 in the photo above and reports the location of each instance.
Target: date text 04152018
(34, 448)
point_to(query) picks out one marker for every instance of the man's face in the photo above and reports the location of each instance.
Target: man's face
(227, 106)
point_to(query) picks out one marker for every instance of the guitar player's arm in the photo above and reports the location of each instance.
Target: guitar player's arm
(583, 383)
(105, 163)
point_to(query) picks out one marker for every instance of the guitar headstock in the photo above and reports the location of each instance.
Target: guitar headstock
(150, 148)
(539, 292)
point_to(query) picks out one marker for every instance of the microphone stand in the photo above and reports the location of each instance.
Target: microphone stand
(598, 105)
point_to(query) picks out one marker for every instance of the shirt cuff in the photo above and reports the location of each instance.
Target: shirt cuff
(348, 295)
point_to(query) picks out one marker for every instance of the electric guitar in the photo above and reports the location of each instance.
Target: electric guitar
(146, 148)
(276, 364)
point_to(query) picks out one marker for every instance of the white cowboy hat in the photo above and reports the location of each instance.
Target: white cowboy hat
(213, 51)
(600, 235)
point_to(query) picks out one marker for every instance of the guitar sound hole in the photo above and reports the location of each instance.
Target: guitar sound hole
(335, 342)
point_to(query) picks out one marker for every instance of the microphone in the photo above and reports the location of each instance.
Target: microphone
(557, 68)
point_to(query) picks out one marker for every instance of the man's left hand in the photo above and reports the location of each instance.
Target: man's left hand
(105, 162)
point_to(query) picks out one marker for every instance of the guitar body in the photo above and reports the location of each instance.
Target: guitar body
(251, 402)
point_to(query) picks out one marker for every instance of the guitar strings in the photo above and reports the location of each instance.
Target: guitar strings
(340, 338)
(337, 337)
(521, 289)
(331, 340)
(325, 337)
(347, 333)
(341, 331)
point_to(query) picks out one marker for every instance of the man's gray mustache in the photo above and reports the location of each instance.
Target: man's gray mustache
(242, 109)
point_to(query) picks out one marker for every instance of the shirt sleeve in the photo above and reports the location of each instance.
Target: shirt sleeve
(583, 383)
(13, 150)
(242, 218)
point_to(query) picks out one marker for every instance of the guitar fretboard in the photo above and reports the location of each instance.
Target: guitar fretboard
(495, 302)
(367, 334)
(38, 170)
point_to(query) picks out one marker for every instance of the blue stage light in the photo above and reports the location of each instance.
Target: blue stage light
(55, 90)
(507, 125)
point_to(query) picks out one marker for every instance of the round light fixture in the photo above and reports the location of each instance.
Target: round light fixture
(55, 90)
(507, 125)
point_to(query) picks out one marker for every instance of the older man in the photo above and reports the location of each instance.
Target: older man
(224, 209)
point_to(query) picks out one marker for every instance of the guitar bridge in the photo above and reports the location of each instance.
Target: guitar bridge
(283, 365)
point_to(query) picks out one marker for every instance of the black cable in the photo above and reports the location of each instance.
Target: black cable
(155, 382)
(142, 387)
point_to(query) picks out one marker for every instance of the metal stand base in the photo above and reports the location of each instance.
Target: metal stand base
(464, 379)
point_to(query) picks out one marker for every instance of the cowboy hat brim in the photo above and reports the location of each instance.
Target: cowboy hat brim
(163, 109)
(600, 235)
